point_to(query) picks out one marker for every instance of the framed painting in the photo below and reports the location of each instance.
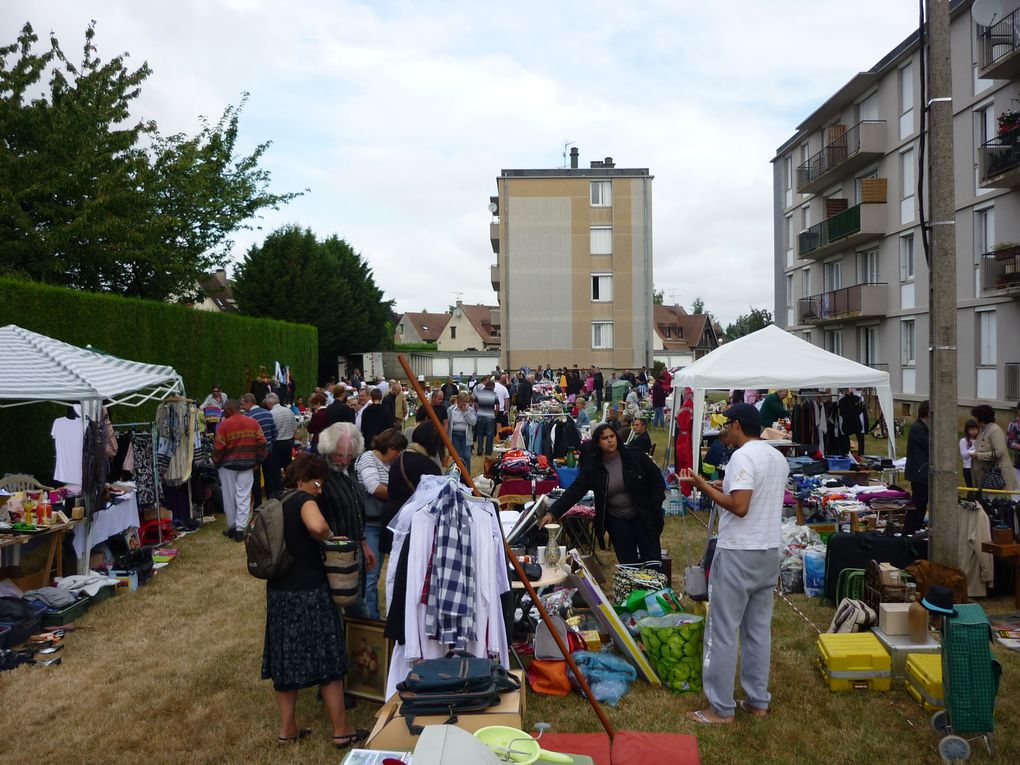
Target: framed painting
(368, 658)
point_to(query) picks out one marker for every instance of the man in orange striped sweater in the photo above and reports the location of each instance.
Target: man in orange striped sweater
(239, 447)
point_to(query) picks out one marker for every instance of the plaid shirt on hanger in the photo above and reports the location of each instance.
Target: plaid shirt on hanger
(449, 612)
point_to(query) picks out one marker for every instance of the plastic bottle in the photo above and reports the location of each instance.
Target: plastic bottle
(917, 617)
(674, 502)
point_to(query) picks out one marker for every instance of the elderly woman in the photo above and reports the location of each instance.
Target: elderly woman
(373, 469)
(341, 444)
(461, 426)
(320, 416)
(304, 637)
(990, 448)
(629, 491)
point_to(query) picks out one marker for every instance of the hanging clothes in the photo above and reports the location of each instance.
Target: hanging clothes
(176, 422)
(68, 440)
(979, 566)
(144, 469)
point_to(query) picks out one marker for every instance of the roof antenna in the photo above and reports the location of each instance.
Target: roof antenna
(566, 145)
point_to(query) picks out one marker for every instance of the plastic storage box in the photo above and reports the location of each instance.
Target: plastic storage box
(23, 630)
(854, 661)
(55, 617)
(836, 462)
(924, 680)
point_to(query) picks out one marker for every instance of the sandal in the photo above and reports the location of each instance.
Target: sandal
(303, 733)
(708, 717)
(753, 711)
(344, 740)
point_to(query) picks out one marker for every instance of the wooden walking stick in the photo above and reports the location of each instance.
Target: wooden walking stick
(560, 643)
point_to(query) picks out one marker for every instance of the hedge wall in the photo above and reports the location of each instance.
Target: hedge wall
(205, 348)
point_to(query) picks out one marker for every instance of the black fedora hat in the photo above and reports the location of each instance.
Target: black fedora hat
(939, 600)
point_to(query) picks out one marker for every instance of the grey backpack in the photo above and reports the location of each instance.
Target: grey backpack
(265, 545)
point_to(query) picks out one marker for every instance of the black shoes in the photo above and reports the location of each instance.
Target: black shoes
(229, 532)
(240, 534)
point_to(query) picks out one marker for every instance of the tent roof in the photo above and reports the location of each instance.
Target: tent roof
(35, 367)
(773, 358)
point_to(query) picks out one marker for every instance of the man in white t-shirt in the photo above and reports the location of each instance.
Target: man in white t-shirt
(744, 570)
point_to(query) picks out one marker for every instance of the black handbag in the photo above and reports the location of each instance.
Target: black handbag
(991, 477)
(456, 683)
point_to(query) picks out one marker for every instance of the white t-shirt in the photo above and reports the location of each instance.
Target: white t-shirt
(502, 394)
(68, 438)
(761, 468)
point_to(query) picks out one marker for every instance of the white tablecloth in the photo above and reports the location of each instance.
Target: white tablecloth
(106, 523)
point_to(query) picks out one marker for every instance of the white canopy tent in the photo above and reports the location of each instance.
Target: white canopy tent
(35, 368)
(773, 358)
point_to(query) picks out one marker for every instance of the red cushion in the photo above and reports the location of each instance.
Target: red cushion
(631, 748)
(594, 745)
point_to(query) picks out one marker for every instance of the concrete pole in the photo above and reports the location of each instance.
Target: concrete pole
(942, 476)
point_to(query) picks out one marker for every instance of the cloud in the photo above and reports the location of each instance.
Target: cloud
(399, 116)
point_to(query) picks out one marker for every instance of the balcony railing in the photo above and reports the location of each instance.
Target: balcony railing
(852, 226)
(1000, 270)
(854, 148)
(1012, 369)
(494, 236)
(880, 366)
(998, 46)
(494, 276)
(999, 161)
(847, 302)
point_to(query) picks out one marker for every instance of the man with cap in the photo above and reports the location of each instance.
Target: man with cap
(744, 569)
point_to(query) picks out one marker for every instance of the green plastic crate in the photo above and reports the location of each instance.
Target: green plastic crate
(970, 674)
(105, 593)
(55, 618)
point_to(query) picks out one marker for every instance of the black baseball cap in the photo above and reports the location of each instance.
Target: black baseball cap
(745, 414)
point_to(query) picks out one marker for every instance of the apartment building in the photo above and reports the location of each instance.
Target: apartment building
(573, 267)
(850, 267)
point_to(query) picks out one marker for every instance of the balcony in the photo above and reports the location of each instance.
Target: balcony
(858, 302)
(1000, 271)
(852, 227)
(999, 49)
(494, 236)
(881, 367)
(494, 276)
(1012, 369)
(859, 146)
(999, 161)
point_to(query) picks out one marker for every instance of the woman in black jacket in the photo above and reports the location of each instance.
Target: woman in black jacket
(629, 492)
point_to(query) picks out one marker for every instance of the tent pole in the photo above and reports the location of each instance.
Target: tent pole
(466, 476)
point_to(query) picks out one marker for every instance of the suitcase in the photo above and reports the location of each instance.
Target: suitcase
(852, 661)
(924, 680)
(845, 550)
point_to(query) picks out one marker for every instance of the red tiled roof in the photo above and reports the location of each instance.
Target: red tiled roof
(480, 317)
(429, 326)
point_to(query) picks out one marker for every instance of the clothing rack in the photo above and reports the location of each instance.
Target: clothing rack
(136, 427)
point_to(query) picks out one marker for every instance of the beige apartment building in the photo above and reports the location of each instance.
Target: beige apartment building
(850, 267)
(573, 265)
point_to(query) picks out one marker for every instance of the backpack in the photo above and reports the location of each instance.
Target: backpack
(265, 546)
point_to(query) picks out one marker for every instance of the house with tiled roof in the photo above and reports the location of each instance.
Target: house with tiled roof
(216, 293)
(680, 336)
(472, 327)
(420, 327)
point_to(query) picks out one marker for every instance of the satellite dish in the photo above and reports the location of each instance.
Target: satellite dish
(493, 207)
(986, 12)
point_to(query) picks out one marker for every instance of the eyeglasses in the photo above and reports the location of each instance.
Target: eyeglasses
(317, 484)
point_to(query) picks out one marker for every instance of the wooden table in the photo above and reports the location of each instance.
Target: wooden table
(1011, 554)
(54, 558)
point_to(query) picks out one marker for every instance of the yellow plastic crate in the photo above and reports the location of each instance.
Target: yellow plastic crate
(854, 661)
(924, 680)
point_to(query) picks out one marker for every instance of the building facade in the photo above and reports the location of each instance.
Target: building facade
(850, 268)
(573, 266)
(471, 328)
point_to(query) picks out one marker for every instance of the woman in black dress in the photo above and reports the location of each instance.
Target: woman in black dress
(304, 641)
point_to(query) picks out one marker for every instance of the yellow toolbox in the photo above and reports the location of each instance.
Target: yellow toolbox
(854, 661)
(924, 680)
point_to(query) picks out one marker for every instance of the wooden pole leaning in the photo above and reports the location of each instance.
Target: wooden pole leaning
(529, 588)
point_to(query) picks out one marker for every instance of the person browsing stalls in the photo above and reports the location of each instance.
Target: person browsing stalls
(744, 569)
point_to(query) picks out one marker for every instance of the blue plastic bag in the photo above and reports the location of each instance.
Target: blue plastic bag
(608, 676)
(814, 571)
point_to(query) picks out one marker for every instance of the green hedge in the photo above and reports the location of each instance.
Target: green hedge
(205, 348)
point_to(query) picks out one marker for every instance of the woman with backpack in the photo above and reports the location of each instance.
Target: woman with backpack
(304, 638)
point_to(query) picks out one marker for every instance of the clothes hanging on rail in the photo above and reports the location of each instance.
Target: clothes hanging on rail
(144, 470)
(979, 566)
(176, 421)
(455, 575)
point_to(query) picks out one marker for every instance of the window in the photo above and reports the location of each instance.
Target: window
(788, 239)
(986, 338)
(908, 185)
(984, 241)
(789, 290)
(805, 217)
(906, 100)
(833, 276)
(806, 336)
(868, 108)
(859, 186)
(805, 282)
(601, 193)
(907, 258)
(601, 335)
(908, 352)
(984, 124)
(453, 333)
(601, 240)
(867, 267)
(834, 341)
(868, 338)
(788, 179)
(601, 288)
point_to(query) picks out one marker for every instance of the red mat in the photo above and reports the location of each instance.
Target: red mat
(594, 745)
(631, 748)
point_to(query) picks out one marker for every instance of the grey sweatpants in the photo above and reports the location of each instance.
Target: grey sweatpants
(740, 601)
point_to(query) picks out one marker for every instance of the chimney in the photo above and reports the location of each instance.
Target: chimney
(609, 162)
(573, 158)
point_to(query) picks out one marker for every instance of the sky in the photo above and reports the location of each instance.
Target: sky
(398, 116)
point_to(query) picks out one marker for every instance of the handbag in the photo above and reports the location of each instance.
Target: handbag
(991, 477)
(696, 576)
(549, 677)
(342, 559)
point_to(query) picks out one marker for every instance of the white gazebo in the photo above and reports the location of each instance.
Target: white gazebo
(35, 368)
(773, 358)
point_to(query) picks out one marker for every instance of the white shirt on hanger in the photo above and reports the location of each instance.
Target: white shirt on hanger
(69, 438)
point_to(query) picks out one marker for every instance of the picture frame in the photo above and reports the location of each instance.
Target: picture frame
(368, 658)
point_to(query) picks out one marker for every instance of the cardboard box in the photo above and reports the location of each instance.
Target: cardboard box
(893, 618)
(391, 733)
(891, 576)
(164, 514)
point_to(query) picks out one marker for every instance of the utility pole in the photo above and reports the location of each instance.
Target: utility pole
(942, 476)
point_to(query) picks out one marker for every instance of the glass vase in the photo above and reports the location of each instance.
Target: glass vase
(552, 547)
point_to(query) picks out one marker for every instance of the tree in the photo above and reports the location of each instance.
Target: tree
(90, 200)
(698, 306)
(657, 296)
(758, 318)
(296, 277)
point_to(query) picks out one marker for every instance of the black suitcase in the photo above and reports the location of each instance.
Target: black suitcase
(846, 550)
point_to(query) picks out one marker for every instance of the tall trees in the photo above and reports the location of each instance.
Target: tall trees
(296, 277)
(745, 324)
(90, 199)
